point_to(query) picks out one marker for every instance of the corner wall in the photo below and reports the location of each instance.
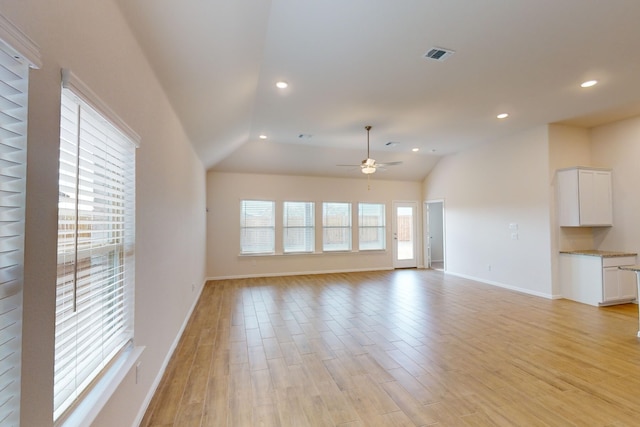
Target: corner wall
(491, 192)
(617, 146)
(94, 41)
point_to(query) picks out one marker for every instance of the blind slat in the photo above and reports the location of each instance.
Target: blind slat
(336, 223)
(94, 294)
(257, 226)
(13, 115)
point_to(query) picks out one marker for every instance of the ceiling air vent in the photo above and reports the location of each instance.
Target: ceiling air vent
(438, 54)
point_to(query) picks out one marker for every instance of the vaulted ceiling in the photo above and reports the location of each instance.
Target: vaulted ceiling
(351, 63)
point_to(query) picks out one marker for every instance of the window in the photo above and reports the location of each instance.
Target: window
(14, 84)
(96, 214)
(371, 223)
(298, 227)
(257, 227)
(336, 226)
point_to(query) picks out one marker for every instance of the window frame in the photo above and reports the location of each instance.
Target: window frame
(269, 228)
(309, 231)
(347, 230)
(114, 175)
(381, 229)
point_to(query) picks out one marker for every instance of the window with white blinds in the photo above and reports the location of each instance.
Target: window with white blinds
(14, 75)
(96, 234)
(336, 226)
(257, 227)
(371, 226)
(298, 227)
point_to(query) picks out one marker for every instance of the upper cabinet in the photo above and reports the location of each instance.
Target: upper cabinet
(584, 197)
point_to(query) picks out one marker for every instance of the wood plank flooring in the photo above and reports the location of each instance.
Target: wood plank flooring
(399, 348)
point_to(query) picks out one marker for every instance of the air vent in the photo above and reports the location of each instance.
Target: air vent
(391, 144)
(438, 54)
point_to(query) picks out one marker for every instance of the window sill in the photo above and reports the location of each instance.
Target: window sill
(90, 406)
(280, 254)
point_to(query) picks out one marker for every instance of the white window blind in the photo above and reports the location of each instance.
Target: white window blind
(14, 73)
(298, 227)
(371, 224)
(336, 226)
(96, 235)
(257, 227)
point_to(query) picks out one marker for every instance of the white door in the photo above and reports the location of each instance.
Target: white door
(404, 235)
(434, 234)
(427, 237)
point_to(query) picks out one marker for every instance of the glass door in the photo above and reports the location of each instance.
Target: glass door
(404, 235)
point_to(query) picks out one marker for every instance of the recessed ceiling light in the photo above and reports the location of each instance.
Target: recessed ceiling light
(263, 137)
(502, 115)
(589, 83)
(415, 150)
(282, 85)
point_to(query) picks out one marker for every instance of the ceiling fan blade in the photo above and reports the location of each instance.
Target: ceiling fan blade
(351, 166)
(388, 164)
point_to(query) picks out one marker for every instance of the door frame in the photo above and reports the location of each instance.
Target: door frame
(413, 263)
(427, 233)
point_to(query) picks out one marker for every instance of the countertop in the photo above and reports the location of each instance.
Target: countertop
(602, 254)
(635, 268)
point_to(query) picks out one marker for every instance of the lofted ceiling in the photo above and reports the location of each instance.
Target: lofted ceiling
(351, 63)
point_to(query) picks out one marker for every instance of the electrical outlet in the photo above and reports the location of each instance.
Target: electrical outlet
(489, 267)
(193, 287)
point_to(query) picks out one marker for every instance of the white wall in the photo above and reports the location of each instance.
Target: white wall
(485, 190)
(617, 146)
(436, 230)
(92, 39)
(226, 190)
(569, 146)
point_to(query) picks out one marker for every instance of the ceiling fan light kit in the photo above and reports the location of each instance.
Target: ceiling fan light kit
(367, 169)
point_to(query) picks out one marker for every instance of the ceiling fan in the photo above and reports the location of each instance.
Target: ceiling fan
(369, 165)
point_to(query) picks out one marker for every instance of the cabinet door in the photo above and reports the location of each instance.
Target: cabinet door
(568, 198)
(610, 284)
(594, 189)
(627, 284)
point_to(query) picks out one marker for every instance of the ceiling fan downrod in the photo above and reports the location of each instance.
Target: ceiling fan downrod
(368, 128)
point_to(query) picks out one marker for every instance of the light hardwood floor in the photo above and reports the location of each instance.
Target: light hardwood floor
(399, 348)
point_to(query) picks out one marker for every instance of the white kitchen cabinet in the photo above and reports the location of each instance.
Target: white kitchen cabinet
(584, 197)
(594, 278)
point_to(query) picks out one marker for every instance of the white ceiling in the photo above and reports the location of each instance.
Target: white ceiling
(351, 63)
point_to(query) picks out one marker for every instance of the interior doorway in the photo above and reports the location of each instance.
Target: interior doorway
(434, 235)
(405, 253)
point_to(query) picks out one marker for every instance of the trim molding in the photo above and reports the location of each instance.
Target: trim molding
(91, 405)
(19, 43)
(298, 273)
(165, 363)
(505, 286)
(81, 90)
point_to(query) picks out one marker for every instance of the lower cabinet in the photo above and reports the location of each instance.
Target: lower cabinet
(597, 280)
(618, 285)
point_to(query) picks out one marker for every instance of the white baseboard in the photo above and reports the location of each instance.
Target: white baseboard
(506, 286)
(297, 273)
(165, 363)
